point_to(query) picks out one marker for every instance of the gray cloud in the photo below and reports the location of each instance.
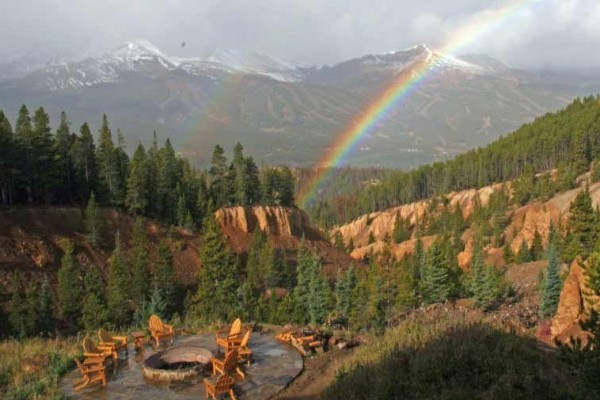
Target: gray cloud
(560, 33)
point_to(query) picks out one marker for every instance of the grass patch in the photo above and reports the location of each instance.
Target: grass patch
(31, 368)
(445, 357)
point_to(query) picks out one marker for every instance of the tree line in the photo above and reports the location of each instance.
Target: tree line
(39, 166)
(567, 140)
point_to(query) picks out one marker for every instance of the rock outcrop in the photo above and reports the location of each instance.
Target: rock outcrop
(574, 306)
(285, 227)
(274, 221)
(524, 222)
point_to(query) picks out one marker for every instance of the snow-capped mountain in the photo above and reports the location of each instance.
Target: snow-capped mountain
(287, 112)
(141, 56)
(18, 66)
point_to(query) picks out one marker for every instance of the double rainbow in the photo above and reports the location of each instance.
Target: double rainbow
(404, 84)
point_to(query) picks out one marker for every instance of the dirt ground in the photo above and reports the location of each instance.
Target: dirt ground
(319, 372)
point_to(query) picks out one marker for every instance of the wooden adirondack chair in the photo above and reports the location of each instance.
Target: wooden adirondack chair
(115, 343)
(227, 338)
(99, 354)
(228, 365)
(244, 352)
(89, 374)
(215, 386)
(159, 330)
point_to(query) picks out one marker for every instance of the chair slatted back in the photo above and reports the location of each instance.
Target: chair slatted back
(245, 339)
(79, 365)
(104, 336)
(236, 327)
(223, 384)
(89, 346)
(155, 323)
(231, 361)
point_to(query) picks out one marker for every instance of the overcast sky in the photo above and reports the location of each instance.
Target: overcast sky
(551, 33)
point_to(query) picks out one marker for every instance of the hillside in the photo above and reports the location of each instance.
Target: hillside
(288, 112)
(32, 240)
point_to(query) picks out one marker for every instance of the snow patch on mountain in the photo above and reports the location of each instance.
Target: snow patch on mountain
(143, 57)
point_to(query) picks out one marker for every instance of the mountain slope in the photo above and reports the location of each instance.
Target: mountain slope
(289, 112)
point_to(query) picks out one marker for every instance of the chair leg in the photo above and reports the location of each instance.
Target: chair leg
(231, 394)
(240, 373)
(84, 382)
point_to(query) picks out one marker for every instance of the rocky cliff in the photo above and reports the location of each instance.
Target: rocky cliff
(574, 306)
(524, 221)
(285, 227)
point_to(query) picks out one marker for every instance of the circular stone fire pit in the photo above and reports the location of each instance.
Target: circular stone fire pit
(180, 363)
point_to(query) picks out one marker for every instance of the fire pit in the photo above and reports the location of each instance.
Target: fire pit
(180, 363)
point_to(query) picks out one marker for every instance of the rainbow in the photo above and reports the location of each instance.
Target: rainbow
(403, 86)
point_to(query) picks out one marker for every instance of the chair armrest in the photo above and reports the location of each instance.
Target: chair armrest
(94, 355)
(121, 338)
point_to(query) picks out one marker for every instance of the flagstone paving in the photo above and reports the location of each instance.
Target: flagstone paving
(273, 367)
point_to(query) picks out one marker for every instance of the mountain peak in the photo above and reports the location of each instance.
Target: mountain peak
(138, 47)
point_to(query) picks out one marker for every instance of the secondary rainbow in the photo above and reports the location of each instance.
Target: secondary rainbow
(345, 143)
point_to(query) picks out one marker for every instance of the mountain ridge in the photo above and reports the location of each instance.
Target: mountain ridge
(287, 112)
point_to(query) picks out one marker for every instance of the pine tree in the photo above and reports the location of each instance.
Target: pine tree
(436, 282)
(350, 247)
(140, 287)
(507, 253)
(344, 286)
(239, 174)
(217, 277)
(401, 232)
(476, 272)
(107, 164)
(168, 174)
(254, 270)
(377, 308)
(69, 289)
(25, 156)
(552, 284)
(164, 277)
(93, 222)
(202, 200)
(286, 188)
(582, 223)
(303, 278)
(85, 162)
(63, 143)
(219, 178)
(8, 161)
(371, 238)
(122, 170)
(253, 189)
(31, 310)
(118, 290)
(537, 249)
(524, 254)
(95, 312)
(44, 177)
(319, 296)
(137, 185)
(18, 309)
(45, 309)
(338, 241)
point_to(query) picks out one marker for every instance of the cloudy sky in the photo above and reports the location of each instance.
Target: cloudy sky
(545, 33)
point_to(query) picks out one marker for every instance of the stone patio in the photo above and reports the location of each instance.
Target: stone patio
(274, 366)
